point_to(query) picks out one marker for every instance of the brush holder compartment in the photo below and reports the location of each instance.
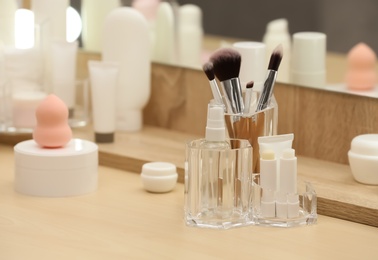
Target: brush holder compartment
(252, 125)
(270, 208)
(218, 185)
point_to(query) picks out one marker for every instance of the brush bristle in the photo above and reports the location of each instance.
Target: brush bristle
(275, 58)
(226, 63)
(209, 70)
(250, 85)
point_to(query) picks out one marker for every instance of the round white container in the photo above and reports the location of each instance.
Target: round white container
(60, 172)
(159, 176)
(363, 158)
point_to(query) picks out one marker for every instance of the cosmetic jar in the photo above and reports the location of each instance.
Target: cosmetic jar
(159, 176)
(56, 172)
(363, 158)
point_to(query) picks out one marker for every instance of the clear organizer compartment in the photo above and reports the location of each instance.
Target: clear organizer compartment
(269, 208)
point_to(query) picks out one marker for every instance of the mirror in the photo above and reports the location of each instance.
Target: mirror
(230, 20)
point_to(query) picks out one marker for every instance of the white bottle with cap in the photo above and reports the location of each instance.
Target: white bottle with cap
(190, 34)
(277, 32)
(268, 183)
(216, 185)
(215, 136)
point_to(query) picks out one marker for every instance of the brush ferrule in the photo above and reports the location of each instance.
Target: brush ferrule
(267, 91)
(215, 91)
(233, 91)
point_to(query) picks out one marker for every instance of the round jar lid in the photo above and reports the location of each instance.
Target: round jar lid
(366, 144)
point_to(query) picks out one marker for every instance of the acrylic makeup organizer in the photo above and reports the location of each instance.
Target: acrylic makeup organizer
(217, 185)
(306, 213)
(201, 199)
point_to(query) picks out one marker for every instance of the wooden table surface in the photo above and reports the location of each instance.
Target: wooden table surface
(122, 221)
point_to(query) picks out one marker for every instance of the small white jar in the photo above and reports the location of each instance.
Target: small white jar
(363, 158)
(159, 176)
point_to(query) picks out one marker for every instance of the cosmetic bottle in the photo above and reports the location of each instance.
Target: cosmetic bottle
(277, 33)
(268, 182)
(63, 68)
(165, 34)
(212, 170)
(308, 59)
(7, 18)
(53, 13)
(126, 41)
(215, 136)
(190, 34)
(93, 14)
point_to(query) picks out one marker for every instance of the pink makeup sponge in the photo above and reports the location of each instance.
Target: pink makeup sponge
(52, 130)
(361, 73)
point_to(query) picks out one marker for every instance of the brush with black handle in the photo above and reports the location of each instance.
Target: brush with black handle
(274, 63)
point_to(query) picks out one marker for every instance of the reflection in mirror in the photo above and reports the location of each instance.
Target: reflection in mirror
(250, 21)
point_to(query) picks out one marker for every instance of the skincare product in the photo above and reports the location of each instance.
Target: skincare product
(159, 177)
(190, 34)
(93, 14)
(165, 34)
(7, 17)
(308, 59)
(276, 143)
(126, 41)
(288, 172)
(104, 79)
(63, 68)
(52, 13)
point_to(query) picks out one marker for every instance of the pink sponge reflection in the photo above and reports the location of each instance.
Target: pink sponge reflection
(361, 73)
(52, 130)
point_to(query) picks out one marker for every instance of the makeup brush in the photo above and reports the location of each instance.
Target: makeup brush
(248, 97)
(209, 71)
(226, 63)
(274, 63)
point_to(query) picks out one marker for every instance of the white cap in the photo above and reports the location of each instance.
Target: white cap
(308, 60)
(190, 15)
(159, 176)
(215, 127)
(253, 63)
(131, 120)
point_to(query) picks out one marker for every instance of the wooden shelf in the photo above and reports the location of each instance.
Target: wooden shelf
(338, 194)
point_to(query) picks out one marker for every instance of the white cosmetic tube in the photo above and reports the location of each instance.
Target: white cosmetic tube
(63, 61)
(104, 80)
(276, 143)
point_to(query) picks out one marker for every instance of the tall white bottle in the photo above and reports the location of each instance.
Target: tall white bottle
(277, 32)
(165, 35)
(190, 35)
(93, 13)
(7, 16)
(126, 41)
